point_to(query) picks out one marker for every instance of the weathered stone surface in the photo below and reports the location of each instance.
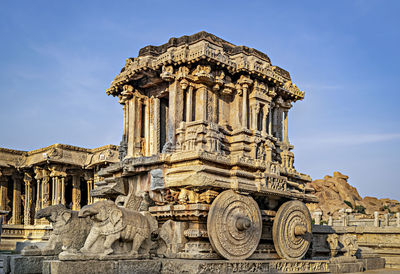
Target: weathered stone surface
(115, 224)
(173, 266)
(69, 232)
(28, 264)
(95, 266)
(57, 174)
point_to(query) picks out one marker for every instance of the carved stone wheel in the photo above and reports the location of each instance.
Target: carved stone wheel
(234, 225)
(291, 231)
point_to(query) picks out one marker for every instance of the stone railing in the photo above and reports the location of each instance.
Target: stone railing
(350, 219)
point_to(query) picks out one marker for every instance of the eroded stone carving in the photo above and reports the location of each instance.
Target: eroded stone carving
(112, 223)
(69, 231)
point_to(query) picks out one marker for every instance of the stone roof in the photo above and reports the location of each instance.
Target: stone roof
(229, 48)
(193, 48)
(59, 153)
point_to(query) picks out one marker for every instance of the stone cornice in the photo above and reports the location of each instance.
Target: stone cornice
(194, 48)
(113, 147)
(61, 146)
(12, 151)
(58, 153)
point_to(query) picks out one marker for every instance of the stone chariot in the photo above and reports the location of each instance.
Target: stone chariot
(205, 150)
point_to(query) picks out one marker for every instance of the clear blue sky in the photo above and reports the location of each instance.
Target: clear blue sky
(58, 57)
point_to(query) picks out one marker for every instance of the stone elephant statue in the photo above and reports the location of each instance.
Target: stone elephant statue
(113, 223)
(69, 231)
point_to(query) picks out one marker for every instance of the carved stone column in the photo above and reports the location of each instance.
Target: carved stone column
(286, 138)
(245, 83)
(58, 175)
(38, 177)
(89, 178)
(189, 104)
(175, 109)
(138, 125)
(89, 188)
(201, 103)
(54, 191)
(244, 108)
(3, 195)
(255, 109)
(131, 124)
(46, 200)
(270, 116)
(156, 126)
(3, 192)
(38, 196)
(264, 119)
(215, 107)
(16, 208)
(62, 188)
(76, 192)
(28, 198)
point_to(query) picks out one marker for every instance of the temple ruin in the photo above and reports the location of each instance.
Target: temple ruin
(203, 180)
(32, 180)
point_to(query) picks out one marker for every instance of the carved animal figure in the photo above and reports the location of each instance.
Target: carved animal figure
(112, 223)
(69, 231)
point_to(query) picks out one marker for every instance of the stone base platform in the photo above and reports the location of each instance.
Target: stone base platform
(172, 266)
(24, 264)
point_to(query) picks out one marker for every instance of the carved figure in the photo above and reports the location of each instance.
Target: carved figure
(333, 241)
(69, 231)
(350, 245)
(112, 223)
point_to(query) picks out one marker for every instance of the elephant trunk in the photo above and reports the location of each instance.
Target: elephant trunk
(87, 211)
(43, 213)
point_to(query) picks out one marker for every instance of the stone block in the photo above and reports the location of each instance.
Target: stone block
(28, 264)
(87, 267)
(98, 266)
(373, 263)
(139, 267)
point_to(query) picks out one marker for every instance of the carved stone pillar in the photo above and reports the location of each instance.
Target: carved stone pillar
(270, 122)
(138, 124)
(3, 195)
(38, 196)
(131, 126)
(54, 191)
(89, 188)
(201, 103)
(255, 109)
(189, 104)
(46, 190)
(28, 199)
(215, 108)
(175, 110)
(62, 187)
(38, 177)
(76, 192)
(286, 138)
(156, 126)
(245, 83)
(264, 119)
(275, 122)
(148, 131)
(58, 175)
(3, 192)
(244, 107)
(16, 208)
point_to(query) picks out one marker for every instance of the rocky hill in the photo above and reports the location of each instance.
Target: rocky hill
(335, 193)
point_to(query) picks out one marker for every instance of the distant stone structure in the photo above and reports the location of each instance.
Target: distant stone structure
(32, 180)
